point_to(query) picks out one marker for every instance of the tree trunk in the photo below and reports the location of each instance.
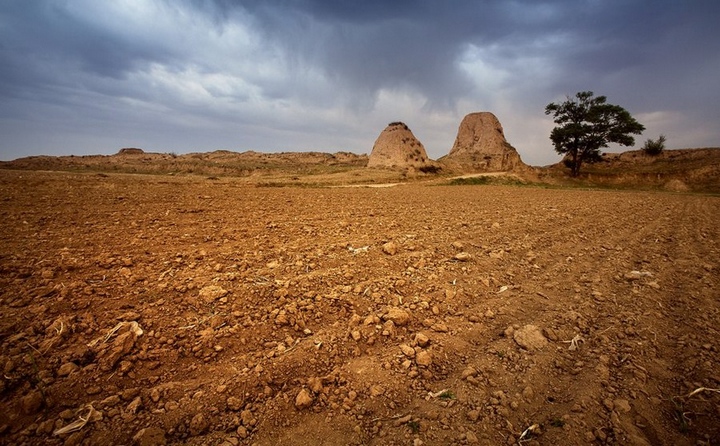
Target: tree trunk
(575, 170)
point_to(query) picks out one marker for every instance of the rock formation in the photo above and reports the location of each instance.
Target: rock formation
(397, 147)
(480, 146)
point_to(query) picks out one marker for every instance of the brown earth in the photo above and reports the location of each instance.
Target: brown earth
(186, 310)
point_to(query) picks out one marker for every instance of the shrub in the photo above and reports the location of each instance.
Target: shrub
(655, 147)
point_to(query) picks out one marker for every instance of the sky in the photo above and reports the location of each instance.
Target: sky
(90, 77)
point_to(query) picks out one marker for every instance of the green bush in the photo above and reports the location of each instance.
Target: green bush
(655, 147)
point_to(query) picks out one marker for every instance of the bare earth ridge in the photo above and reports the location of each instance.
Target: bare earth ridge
(144, 309)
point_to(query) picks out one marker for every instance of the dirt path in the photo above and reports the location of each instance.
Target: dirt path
(393, 316)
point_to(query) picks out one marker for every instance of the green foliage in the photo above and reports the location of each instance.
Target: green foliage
(655, 147)
(586, 124)
(430, 169)
(414, 426)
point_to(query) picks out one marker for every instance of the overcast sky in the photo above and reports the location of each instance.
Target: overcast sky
(90, 77)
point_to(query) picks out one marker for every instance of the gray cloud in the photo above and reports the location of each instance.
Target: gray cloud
(81, 76)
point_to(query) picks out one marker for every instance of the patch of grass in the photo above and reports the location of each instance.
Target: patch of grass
(414, 426)
(680, 415)
(447, 395)
(470, 181)
(488, 180)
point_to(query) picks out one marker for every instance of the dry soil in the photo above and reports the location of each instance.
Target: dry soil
(184, 310)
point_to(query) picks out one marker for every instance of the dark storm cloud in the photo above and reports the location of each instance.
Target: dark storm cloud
(299, 74)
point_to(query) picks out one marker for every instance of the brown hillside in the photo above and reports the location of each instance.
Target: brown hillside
(677, 170)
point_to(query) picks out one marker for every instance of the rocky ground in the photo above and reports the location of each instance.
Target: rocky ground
(157, 310)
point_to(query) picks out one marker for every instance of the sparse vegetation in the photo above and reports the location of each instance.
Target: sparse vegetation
(655, 147)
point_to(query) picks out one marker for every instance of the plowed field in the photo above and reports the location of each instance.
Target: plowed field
(183, 310)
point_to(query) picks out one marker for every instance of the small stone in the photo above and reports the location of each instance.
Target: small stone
(471, 437)
(462, 256)
(376, 390)
(150, 436)
(31, 403)
(473, 415)
(407, 350)
(248, 419)
(422, 340)
(303, 399)
(242, 432)
(67, 368)
(423, 358)
(110, 401)
(469, 371)
(389, 248)
(458, 245)
(528, 393)
(155, 395)
(234, 403)
(134, 405)
(356, 335)
(530, 338)
(398, 316)
(622, 405)
(608, 403)
(315, 384)
(198, 425)
(212, 293)
(440, 327)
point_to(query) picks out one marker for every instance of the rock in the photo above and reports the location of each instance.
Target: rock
(234, 403)
(303, 399)
(622, 406)
(407, 350)
(468, 371)
(423, 358)
(471, 437)
(212, 293)
(150, 436)
(530, 338)
(315, 384)
(67, 368)
(398, 316)
(422, 340)
(198, 425)
(242, 432)
(397, 147)
(440, 327)
(473, 415)
(528, 393)
(134, 405)
(462, 256)
(31, 403)
(248, 419)
(480, 146)
(121, 345)
(389, 248)
(376, 390)
(356, 335)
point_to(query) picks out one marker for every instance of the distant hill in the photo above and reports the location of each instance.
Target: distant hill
(220, 162)
(678, 170)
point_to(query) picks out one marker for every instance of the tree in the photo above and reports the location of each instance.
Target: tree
(655, 147)
(586, 124)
